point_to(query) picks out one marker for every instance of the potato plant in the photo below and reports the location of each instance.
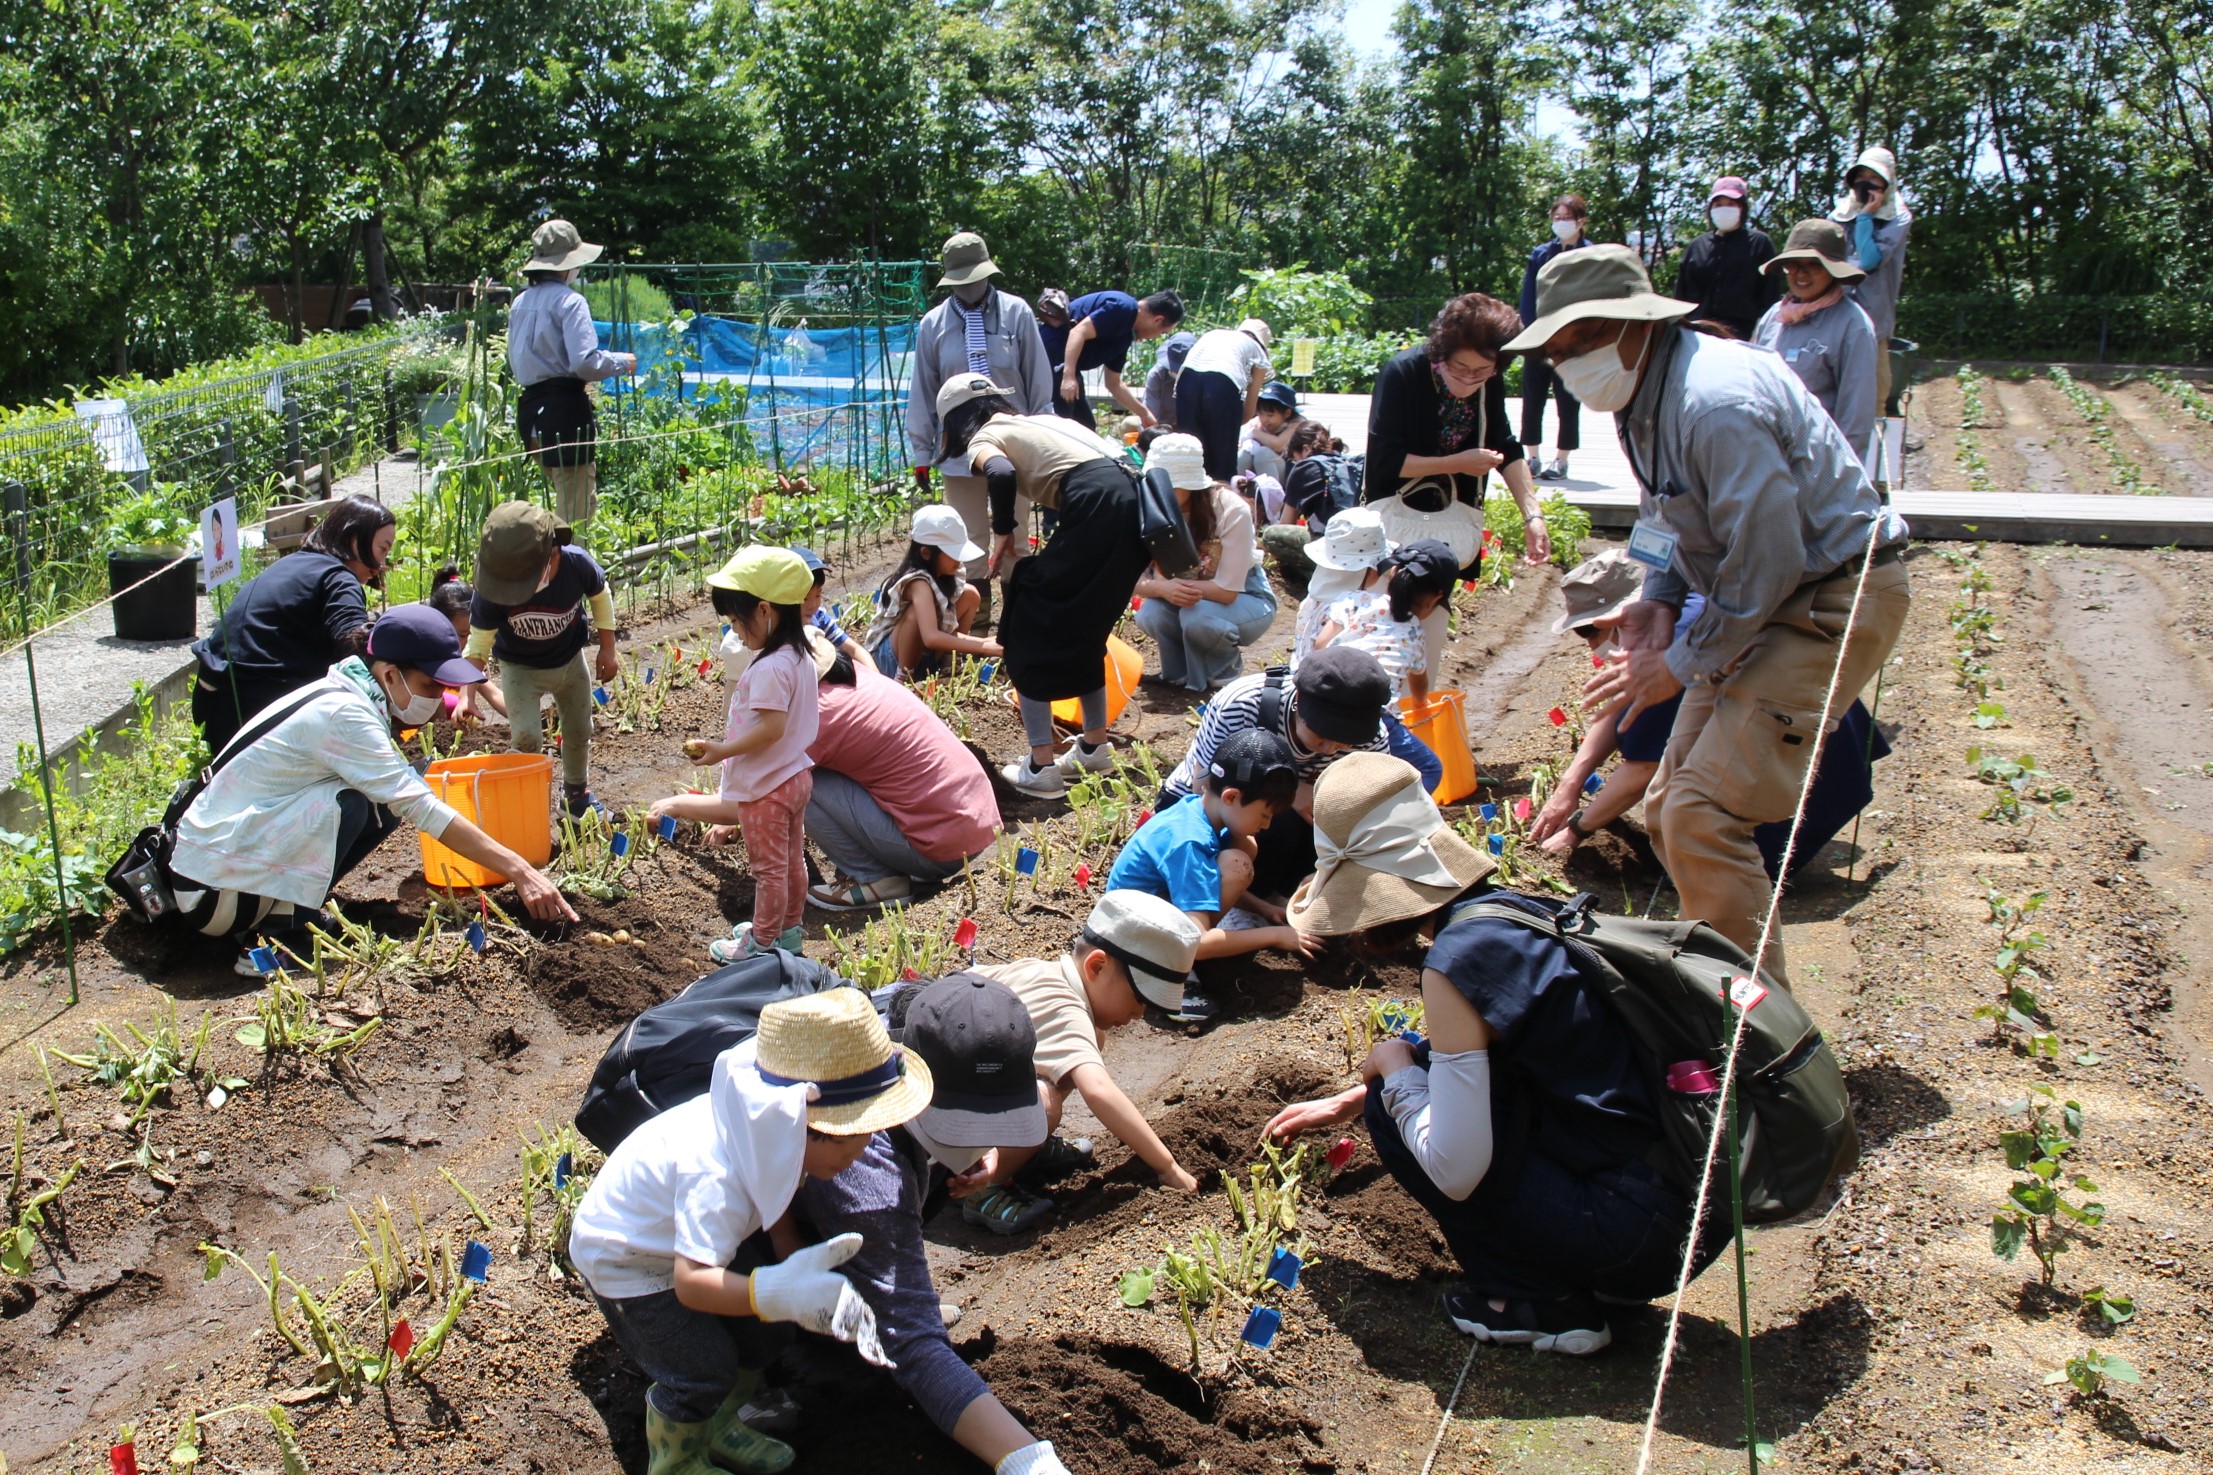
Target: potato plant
(2038, 1213)
(2016, 1007)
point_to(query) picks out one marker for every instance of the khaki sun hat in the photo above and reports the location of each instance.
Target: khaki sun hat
(962, 388)
(1822, 243)
(964, 258)
(777, 575)
(559, 246)
(1596, 282)
(1383, 853)
(1598, 589)
(1259, 331)
(835, 1043)
(511, 552)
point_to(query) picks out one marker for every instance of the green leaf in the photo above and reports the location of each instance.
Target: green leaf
(253, 1036)
(2007, 1235)
(2089, 1057)
(2120, 1369)
(1136, 1287)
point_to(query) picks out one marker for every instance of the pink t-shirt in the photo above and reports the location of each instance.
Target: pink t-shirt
(880, 735)
(784, 682)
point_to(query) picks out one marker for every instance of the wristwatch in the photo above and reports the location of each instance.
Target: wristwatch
(1575, 827)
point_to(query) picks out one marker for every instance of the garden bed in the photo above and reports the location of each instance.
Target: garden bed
(2053, 431)
(1885, 1337)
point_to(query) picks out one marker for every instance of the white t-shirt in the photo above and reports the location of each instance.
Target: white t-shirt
(694, 1181)
(1227, 351)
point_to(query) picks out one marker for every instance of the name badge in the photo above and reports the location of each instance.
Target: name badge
(1792, 356)
(1651, 546)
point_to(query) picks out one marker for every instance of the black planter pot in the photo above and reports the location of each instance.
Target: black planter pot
(167, 608)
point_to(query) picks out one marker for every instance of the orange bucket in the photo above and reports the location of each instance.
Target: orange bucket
(1442, 724)
(1123, 668)
(508, 796)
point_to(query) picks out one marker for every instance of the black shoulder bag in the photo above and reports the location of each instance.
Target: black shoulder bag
(1161, 523)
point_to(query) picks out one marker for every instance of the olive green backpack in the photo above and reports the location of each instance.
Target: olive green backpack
(1670, 982)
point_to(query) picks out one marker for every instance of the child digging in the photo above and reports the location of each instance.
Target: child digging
(533, 589)
(451, 596)
(1198, 852)
(766, 773)
(925, 607)
(671, 1236)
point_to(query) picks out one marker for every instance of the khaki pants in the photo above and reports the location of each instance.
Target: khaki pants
(1738, 755)
(570, 686)
(966, 495)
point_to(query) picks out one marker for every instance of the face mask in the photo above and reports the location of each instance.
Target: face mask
(972, 295)
(1598, 379)
(415, 711)
(1864, 190)
(1727, 217)
(1567, 230)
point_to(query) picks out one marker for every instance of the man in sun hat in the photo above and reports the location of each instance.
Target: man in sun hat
(980, 1046)
(1753, 499)
(1724, 270)
(976, 329)
(553, 351)
(672, 1241)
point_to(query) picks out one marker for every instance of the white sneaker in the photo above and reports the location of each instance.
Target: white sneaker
(1557, 471)
(1049, 782)
(1076, 760)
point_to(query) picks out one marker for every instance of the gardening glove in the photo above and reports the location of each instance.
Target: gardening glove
(1032, 1459)
(807, 1289)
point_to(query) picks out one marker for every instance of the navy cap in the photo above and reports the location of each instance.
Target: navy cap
(1247, 759)
(981, 1047)
(422, 639)
(811, 559)
(1177, 349)
(1427, 558)
(1276, 392)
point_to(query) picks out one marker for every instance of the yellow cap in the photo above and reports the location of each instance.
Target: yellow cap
(777, 575)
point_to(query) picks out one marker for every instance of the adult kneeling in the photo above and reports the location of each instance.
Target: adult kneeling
(897, 799)
(1540, 1185)
(310, 793)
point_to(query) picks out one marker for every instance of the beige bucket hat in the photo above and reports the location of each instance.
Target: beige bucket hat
(1596, 282)
(559, 246)
(1598, 589)
(835, 1043)
(1822, 243)
(1383, 851)
(964, 258)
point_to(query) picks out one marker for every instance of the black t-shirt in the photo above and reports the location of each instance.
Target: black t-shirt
(547, 629)
(289, 621)
(1566, 1079)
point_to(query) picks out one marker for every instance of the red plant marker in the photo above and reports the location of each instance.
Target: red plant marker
(1339, 1154)
(964, 933)
(706, 665)
(1144, 815)
(676, 653)
(402, 1340)
(1521, 810)
(1033, 542)
(1081, 876)
(1557, 717)
(908, 975)
(123, 1459)
(1598, 663)
(1468, 584)
(1136, 603)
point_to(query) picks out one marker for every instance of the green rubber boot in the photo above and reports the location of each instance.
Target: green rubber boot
(735, 1445)
(676, 1449)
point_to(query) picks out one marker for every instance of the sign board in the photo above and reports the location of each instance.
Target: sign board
(219, 542)
(1302, 356)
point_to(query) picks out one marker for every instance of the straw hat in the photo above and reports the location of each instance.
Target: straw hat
(1384, 852)
(1597, 282)
(833, 1041)
(559, 246)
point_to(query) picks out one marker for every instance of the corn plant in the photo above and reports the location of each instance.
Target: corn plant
(2016, 1007)
(887, 949)
(556, 1166)
(20, 1241)
(2038, 1213)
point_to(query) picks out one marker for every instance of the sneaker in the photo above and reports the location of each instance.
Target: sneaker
(1049, 782)
(1196, 1008)
(1006, 1209)
(1570, 1325)
(1059, 1157)
(1076, 760)
(771, 1411)
(948, 1315)
(1557, 471)
(580, 802)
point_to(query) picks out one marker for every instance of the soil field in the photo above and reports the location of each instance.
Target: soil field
(2031, 436)
(1885, 1337)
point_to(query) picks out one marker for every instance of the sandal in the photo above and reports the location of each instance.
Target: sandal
(1005, 1209)
(1059, 1157)
(857, 896)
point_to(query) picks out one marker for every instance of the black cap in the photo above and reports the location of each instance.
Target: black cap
(1428, 560)
(981, 1048)
(1341, 694)
(1246, 760)
(1283, 396)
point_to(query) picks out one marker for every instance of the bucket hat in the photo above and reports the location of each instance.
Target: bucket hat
(1259, 330)
(559, 246)
(1822, 243)
(1183, 458)
(777, 575)
(1597, 282)
(964, 258)
(939, 526)
(834, 1043)
(1176, 348)
(1281, 395)
(981, 1048)
(1352, 540)
(1598, 589)
(512, 550)
(1153, 939)
(1382, 851)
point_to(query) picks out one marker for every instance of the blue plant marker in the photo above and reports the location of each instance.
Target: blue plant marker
(667, 827)
(1593, 784)
(1411, 1040)
(619, 846)
(1261, 1327)
(1489, 813)
(649, 676)
(1283, 1268)
(475, 934)
(476, 1262)
(1200, 711)
(1025, 861)
(561, 1169)
(599, 696)
(986, 671)
(1395, 1019)
(264, 959)
(1498, 844)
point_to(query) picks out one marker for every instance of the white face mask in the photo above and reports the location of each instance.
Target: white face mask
(1598, 378)
(1567, 230)
(415, 711)
(1727, 217)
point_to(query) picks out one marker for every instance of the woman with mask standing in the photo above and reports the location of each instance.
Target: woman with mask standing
(1724, 270)
(1570, 215)
(977, 329)
(1877, 222)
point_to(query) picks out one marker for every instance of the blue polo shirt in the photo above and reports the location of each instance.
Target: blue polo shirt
(1177, 855)
(1113, 329)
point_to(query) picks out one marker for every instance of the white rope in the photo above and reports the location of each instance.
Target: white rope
(1438, 1443)
(1736, 1033)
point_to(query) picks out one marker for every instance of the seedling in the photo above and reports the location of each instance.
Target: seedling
(2016, 1007)
(21, 1241)
(286, 1021)
(595, 853)
(2038, 1213)
(1105, 806)
(954, 691)
(2022, 788)
(2112, 1307)
(2088, 1372)
(556, 1165)
(1367, 1020)
(2096, 418)
(888, 949)
(143, 1065)
(1970, 453)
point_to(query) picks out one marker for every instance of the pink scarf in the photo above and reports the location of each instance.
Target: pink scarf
(1794, 311)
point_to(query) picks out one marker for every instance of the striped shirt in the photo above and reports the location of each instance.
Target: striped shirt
(1236, 708)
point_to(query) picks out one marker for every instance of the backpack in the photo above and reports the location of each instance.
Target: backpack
(1324, 485)
(666, 1056)
(1667, 982)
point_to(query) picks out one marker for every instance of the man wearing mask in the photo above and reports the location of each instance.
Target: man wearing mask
(1722, 271)
(1876, 224)
(1752, 499)
(977, 329)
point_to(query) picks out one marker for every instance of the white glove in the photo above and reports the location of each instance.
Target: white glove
(1032, 1459)
(807, 1289)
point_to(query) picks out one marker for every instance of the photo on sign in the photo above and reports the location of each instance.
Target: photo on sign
(219, 542)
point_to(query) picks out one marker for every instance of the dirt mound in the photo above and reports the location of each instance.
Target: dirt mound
(596, 988)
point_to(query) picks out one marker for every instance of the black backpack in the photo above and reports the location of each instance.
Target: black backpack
(1324, 485)
(666, 1056)
(1668, 982)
